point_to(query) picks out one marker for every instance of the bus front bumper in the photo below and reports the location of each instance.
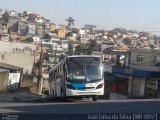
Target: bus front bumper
(70, 92)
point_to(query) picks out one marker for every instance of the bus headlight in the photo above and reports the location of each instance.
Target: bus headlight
(69, 86)
(99, 86)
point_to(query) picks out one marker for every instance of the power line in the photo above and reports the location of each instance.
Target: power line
(152, 23)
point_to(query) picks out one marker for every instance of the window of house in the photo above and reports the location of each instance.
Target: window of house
(140, 58)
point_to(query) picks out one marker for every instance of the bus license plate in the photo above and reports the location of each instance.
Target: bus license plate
(90, 85)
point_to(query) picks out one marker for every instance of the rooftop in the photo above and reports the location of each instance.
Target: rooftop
(9, 66)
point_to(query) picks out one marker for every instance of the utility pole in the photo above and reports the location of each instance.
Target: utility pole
(55, 60)
(40, 78)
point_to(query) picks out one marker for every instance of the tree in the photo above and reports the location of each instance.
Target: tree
(25, 13)
(70, 21)
(79, 48)
(61, 57)
(69, 34)
(83, 48)
(70, 48)
(93, 45)
(5, 17)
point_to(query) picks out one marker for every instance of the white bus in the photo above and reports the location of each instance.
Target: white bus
(77, 76)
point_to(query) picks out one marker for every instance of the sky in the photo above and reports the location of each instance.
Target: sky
(108, 14)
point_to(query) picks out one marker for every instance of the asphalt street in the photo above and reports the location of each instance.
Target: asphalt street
(82, 107)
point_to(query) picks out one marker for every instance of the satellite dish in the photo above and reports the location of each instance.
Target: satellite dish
(152, 46)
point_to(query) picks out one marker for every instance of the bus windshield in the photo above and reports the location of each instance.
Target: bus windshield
(82, 71)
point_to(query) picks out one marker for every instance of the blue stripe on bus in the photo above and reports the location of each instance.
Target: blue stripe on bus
(78, 86)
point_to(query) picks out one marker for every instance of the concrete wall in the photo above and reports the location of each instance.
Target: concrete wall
(148, 56)
(28, 84)
(22, 57)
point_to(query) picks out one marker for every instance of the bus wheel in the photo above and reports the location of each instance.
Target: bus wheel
(95, 98)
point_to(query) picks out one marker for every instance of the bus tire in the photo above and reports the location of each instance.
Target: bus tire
(95, 98)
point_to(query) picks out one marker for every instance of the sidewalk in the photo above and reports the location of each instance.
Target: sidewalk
(21, 97)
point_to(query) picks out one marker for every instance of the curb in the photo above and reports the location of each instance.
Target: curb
(21, 99)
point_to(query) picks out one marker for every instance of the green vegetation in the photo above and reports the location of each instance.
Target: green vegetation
(5, 17)
(87, 48)
(70, 21)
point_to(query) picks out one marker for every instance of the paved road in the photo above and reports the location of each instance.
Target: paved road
(84, 107)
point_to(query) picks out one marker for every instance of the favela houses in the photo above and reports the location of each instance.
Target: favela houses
(93, 59)
(32, 43)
